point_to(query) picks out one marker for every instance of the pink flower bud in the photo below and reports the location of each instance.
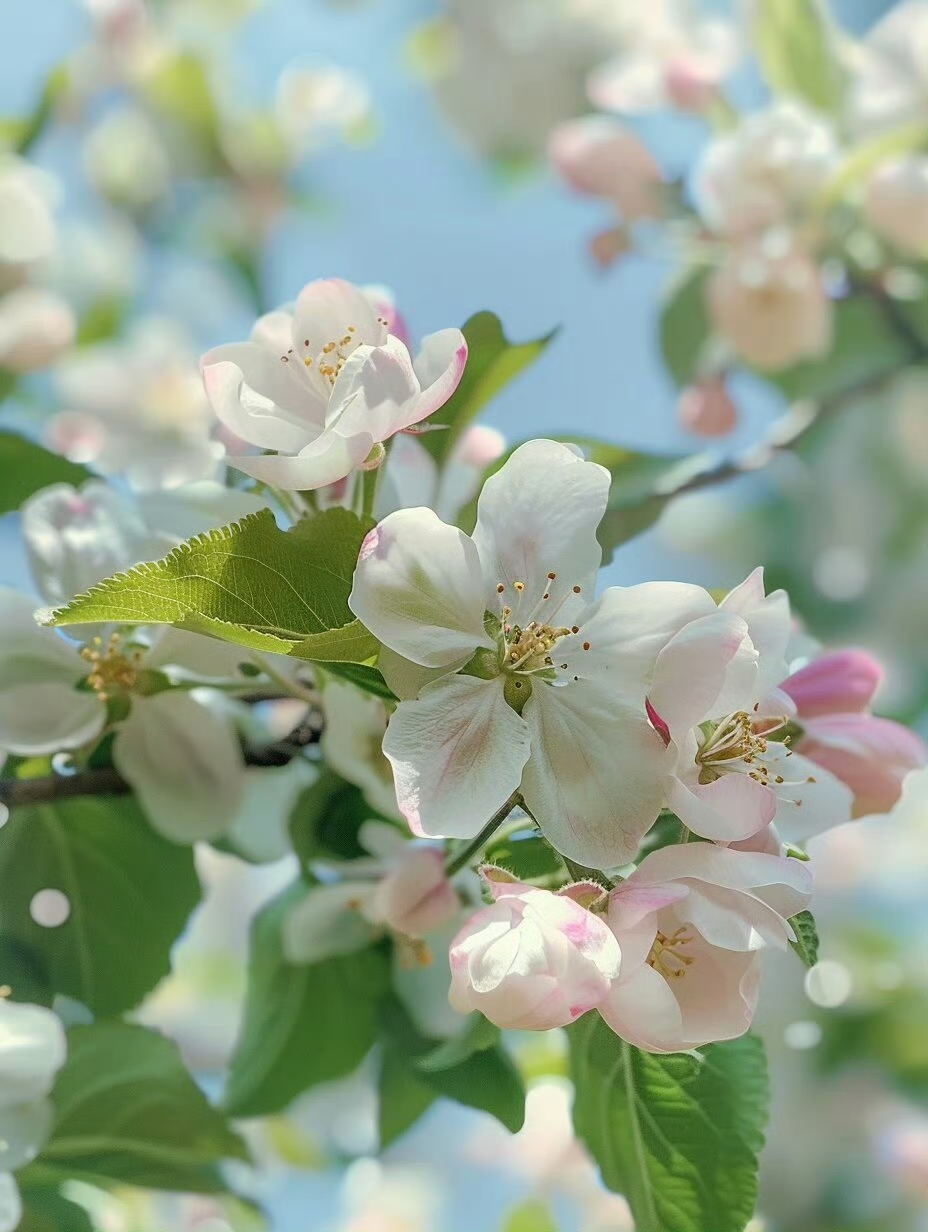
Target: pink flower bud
(35, 327)
(691, 83)
(600, 157)
(842, 682)
(416, 897)
(532, 960)
(706, 408)
(871, 755)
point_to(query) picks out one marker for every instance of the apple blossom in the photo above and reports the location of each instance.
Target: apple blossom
(896, 204)
(403, 888)
(32, 1050)
(713, 698)
(601, 157)
(690, 922)
(318, 104)
(706, 408)
(533, 959)
(27, 225)
(184, 763)
(35, 327)
(872, 756)
(540, 705)
(889, 87)
(768, 302)
(676, 56)
(325, 383)
(136, 408)
(766, 172)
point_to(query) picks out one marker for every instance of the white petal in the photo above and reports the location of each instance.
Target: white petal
(355, 724)
(696, 665)
(254, 393)
(457, 755)
(629, 626)
(377, 392)
(538, 515)
(810, 799)
(594, 781)
(419, 590)
(32, 1050)
(43, 718)
(329, 309)
(325, 460)
(259, 830)
(11, 1207)
(408, 679)
(23, 1131)
(29, 653)
(195, 653)
(181, 513)
(769, 624)
(439, 367)
(327, 921)
(734, 807)
(185, 765)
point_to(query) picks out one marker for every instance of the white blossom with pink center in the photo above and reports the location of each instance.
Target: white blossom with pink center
(321, 385)
(691, 921)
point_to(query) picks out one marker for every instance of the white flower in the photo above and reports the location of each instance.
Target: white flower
(676, 56)
(766, 172)
(889, 88)
(27, 227)
(317, 105)
(713, 696)
(35, 327)
(321, 385)
(768, 302)
(184, 763)
(32, 1050)
(542, 704)
(137, 408)
(411, 476)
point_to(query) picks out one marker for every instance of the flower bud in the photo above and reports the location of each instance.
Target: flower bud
(600, 157)
(532, 960)
(706, 408)
(415, 897)
(842, 682)
(35, 327)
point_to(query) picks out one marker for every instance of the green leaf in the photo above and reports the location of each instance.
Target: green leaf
(684, 326)
(26, 467)
(526, 855)
(129, 890)
(795, 43)
(249, 583)
(303, 1024)
(532, 1215)
(46, 1210)
(127, 1110)
(806, 943)
(492, 362)
(477, 1035)
(326, 817)
(367, 678)
(403, 1096)
(679, 1134)
(351, 643)
(486, 1079)
(21, 134)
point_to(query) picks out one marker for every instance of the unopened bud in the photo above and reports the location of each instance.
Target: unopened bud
(706, 408)
(375, 458)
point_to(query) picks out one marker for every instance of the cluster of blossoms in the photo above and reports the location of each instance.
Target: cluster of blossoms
(792, 210)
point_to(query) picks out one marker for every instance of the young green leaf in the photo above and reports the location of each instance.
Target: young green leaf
(127, 891)
(806, 943)
(492, 362)
(249, 583)
(303, 1024)
(795, 44)
(127, 1110)
(25, 467)
(679, 1134)
(684, 326)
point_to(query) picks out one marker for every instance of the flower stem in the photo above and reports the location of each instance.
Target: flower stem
(464, 856)
(369, 481)
(292, 688)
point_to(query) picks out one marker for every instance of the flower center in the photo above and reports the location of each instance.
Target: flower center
(735, 744)
(112, 672)
(665, 958)
(528, 634)
(325, 362)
